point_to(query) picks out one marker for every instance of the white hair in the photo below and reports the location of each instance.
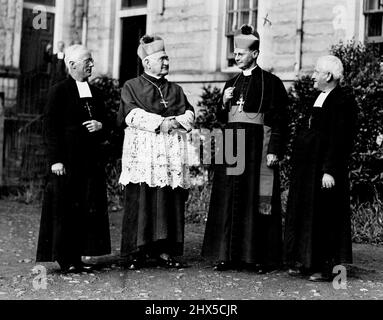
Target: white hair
(73, 53)
(333, 65)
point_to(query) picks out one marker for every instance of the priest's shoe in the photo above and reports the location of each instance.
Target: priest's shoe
(321, 277)
(72, 268)
(135, 264)
(169, 263)
(222, 266)
(87, 267)
(295, 272)
(265, 269)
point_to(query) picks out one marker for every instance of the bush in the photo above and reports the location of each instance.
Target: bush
(302, 96)
(207, 109)
(363, 73)
(112, 95)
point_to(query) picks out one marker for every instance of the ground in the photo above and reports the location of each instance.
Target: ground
(19, 225)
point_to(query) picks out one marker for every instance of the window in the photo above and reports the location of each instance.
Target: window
(43, 2)
(373, 10)
(133, 3)
(238, 12)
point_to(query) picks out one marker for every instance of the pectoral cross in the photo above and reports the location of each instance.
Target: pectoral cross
(240, 104)
(164, 103)
(88, 108)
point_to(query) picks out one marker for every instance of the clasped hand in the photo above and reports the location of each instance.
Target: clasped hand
(93, 125)
(169, 124)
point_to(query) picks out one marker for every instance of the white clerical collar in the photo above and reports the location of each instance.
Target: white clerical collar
(60, 55)
(153, 76)
(83, 89)
(322, 98)
(249, 72)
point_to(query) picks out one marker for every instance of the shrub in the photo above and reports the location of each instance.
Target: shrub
(113, 149)
(208, 107)
(363, 73)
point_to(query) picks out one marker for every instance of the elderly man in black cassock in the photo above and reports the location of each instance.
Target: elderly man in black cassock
(318, 225)
(74, 220)
(154, 113)
(244, 221)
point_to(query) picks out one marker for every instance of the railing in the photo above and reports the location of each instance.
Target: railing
(24, 154)
(32, 91)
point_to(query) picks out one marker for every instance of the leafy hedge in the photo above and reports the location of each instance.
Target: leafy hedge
(112, 96)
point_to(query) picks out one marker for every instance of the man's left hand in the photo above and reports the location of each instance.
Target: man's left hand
(328, 181)
(174, 125)
(93, 125)
(272, 160)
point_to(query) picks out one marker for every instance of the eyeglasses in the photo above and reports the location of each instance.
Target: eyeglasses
(87, 61)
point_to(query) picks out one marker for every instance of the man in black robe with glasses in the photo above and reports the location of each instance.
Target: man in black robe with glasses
(244, 221)
(74, 220)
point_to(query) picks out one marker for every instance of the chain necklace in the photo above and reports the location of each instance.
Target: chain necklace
(163, 101)
(242, 100)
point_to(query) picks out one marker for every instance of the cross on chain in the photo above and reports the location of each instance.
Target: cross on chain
(240, 104)
(164, 103)
(88, 108)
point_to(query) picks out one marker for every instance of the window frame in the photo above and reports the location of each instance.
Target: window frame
(368, 13)
(128, 7)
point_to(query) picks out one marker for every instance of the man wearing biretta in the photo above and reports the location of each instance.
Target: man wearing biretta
(244, 220)
(155, 175)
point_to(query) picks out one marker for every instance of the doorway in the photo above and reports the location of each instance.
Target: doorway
(133, 28)
(34, 80)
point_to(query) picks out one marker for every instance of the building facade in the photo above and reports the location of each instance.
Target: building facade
(198, 36)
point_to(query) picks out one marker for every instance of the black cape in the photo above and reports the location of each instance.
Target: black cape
(74, 220)
(318, 226)
(153, 217)
(140, 93)
(236, 231)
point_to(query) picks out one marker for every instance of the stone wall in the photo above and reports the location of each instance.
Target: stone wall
(324, 23)
(193, 42)
(186, 28)
(1, 136)
(100, 41)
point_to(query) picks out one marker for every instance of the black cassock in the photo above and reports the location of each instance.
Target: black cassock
(236, 230)
(74, 220)
(318, 227)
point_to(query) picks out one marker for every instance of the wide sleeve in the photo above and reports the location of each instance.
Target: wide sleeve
(127, 104)
(186, 120)
(53, 127)
(341, 132)
(277, 119)
(143, 120)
